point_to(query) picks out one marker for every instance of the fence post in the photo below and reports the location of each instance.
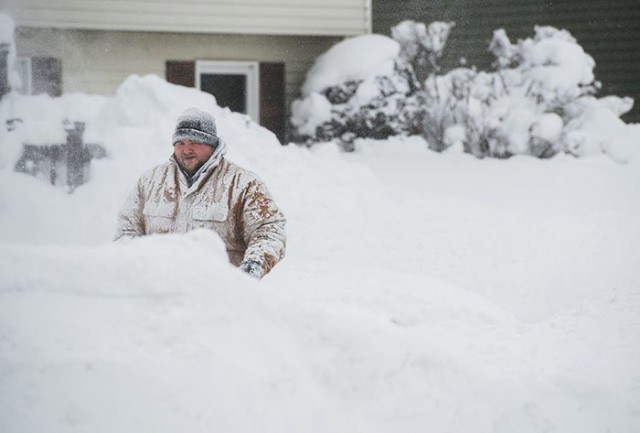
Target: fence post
(76, 155)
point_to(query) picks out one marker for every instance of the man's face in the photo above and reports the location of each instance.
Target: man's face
(191, 155)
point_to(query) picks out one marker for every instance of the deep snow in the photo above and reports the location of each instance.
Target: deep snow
(420, 292)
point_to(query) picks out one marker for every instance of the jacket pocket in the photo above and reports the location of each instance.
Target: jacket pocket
(214, 212)
(159, 217)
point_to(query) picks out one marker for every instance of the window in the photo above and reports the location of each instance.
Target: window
(39, 75)
(234, 84)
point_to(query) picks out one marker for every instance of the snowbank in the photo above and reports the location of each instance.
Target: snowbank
(420, 291)
(7, 27)
(128, 337)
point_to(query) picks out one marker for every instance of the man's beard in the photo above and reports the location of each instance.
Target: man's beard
(190, 165)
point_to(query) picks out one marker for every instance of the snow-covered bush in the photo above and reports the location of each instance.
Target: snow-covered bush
(537, 99)
(359, 88)
(421, 45)
(520, 108)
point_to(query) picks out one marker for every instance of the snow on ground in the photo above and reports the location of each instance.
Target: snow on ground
(420, 292)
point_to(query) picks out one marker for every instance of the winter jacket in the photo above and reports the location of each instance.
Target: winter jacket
(225, 198)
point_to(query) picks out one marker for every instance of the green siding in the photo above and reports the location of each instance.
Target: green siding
(609, 30)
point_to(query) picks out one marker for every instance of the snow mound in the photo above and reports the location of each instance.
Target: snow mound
(354, 59)
(421, 291)
(7, 27)
(159, 333)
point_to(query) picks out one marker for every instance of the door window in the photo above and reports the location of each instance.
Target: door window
(234, 84)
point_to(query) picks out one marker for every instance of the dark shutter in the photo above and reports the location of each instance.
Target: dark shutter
(4, 69)
(272, 102)
(46, 73)
(181, 73)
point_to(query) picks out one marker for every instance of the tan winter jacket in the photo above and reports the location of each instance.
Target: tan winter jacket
(226, 198)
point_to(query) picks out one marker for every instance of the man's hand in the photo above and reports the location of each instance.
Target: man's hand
(253, 268)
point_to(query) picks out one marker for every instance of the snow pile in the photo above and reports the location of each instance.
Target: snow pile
(597, 127)
(127, 337)
(42, 120)
(7, 28)
(144, 108)
(135, 129)
(538, 100)
(420, 291)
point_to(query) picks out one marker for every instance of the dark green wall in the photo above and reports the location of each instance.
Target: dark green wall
(609, 30)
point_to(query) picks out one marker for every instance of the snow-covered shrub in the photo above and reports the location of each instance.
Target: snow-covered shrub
(537, 100)
(366, 86)
(520, 108)
(421, 45)
(359, 88)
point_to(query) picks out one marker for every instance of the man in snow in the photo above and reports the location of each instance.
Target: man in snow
(199, 188)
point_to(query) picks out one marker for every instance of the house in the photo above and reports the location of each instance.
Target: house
(253, 55)
(608, 31)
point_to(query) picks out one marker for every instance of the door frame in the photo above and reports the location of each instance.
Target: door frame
(23, 68)
(229, 67)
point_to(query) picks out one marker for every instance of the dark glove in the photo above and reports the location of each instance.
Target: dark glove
(253, 268)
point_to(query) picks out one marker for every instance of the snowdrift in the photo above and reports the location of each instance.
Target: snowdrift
(159, 333)
(420, 291)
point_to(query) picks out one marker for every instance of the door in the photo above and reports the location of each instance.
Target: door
(234, 84)
(256, 89)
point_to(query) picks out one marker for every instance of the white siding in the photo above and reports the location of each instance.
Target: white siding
(272, 17)
(97, 61)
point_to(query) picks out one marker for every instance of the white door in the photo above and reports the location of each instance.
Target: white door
(234, 84)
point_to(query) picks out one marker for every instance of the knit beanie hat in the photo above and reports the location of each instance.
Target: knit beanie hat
(196, 125)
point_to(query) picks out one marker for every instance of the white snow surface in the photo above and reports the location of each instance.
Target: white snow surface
(7, 28)
(355, 58)
(420, 292)
(310, 112)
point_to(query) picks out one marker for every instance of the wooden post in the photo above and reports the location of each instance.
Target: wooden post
(76, 155)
